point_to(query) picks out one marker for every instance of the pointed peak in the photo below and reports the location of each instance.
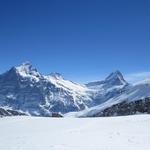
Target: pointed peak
(56, 75)
(114, 74)
(26, 63)
(117, 72)
(116, 78)
(26, 68)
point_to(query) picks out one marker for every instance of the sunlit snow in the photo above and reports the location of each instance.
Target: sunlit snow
(112, 133)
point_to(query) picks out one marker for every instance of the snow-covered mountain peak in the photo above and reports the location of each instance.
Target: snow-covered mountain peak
(116, 78)
(26, 69)
(113, 80)
(26, 63)
(115, 74)
(56, 75)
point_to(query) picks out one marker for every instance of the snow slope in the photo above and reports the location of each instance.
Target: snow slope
(113, 133)
(137, 91)
(74, 88)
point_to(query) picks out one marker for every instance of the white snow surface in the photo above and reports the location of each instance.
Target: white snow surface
(110, 133)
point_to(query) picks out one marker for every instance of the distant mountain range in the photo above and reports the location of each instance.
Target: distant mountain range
(26, 91)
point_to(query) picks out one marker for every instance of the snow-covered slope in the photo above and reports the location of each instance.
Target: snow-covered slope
(131, 93)
(113, 133)
(74, 88)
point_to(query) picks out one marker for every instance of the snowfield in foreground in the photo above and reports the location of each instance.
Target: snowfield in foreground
(112, 133)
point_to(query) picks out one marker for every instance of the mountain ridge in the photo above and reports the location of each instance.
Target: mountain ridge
(24, 88)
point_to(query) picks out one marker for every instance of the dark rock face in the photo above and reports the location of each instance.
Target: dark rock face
(115, 78)
(56, 115)
(8, 112)
(126, 108)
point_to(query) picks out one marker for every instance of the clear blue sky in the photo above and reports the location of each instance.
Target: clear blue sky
(84, 40)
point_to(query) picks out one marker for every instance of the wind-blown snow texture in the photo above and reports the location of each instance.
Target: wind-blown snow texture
(24, 89)
(113, 133)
